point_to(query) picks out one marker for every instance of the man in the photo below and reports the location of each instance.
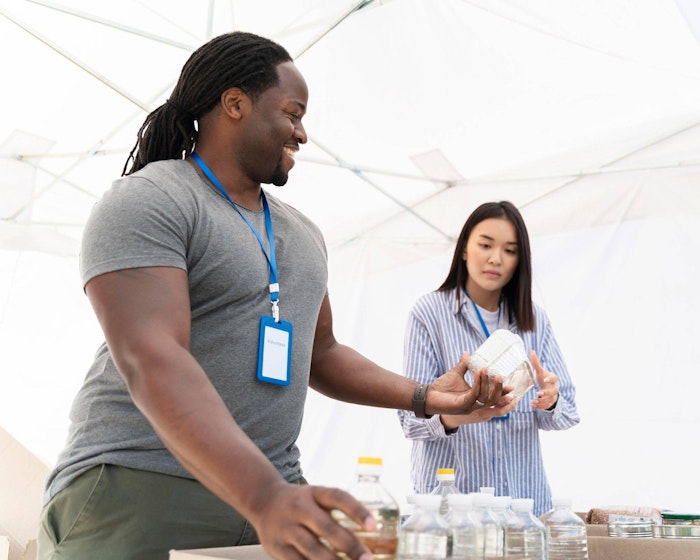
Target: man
(212, 297)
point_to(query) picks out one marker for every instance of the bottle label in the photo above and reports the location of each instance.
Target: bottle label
(416, 544)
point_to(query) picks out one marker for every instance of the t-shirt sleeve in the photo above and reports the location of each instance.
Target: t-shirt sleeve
(135, 224)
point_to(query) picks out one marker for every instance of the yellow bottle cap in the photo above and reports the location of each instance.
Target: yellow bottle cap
(369, 461)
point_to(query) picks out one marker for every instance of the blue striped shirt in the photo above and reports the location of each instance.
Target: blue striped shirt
(505, 454)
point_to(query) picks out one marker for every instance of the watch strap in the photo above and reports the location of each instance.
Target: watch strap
(419, 401)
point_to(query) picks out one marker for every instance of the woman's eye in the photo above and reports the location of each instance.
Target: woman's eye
(295, 116)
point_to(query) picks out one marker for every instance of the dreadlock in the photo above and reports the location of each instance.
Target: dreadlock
(237, 59)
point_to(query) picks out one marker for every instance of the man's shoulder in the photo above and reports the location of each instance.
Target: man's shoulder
(166, 169)
(172, 178)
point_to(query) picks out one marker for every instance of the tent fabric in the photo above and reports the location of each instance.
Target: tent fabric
(585, 113)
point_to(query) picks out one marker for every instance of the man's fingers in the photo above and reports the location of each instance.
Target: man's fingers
(347, 515)
(335, 498)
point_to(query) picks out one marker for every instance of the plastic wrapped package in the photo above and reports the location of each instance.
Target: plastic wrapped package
(504, 354)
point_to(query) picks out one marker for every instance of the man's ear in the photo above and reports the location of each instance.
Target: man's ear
(235, 103)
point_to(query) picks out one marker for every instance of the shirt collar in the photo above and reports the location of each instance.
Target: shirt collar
(460, 303)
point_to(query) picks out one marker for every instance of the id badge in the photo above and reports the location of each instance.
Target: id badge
(274, 351)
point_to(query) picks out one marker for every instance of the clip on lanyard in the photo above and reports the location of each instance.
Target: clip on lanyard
(275, 339)
(274, 285)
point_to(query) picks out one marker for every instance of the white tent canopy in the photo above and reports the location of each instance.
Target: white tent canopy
(584, 113)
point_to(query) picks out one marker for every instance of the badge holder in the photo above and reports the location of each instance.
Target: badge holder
(274, 351)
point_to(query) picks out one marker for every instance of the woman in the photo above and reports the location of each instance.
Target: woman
(488, 287)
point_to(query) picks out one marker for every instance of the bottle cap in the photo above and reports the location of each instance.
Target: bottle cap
(364, 460)
(459, 500)
(369, 465)
(561, 502)
(501, 501)
(431, 501)
(445, 474)
(522, 504)
(482, 499)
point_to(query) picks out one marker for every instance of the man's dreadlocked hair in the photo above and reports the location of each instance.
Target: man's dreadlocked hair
(237, 59)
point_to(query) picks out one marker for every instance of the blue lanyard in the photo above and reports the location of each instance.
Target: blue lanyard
(274, 286)
(486, 332)
(481, 319)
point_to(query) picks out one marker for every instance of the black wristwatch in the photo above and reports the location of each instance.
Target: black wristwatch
(419, 401)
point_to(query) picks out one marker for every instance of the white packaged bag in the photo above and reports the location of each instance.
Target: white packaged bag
(503, 354)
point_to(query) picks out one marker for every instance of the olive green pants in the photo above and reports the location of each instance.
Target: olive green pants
(115, 513)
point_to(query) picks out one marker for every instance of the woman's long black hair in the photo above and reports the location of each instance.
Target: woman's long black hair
(518, 291)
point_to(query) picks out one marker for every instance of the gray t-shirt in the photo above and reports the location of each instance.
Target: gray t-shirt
(166, 215)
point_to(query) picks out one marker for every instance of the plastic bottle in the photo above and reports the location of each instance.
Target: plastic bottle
(383, 541)
(446, 486)
(500, 508)
(424, 535)
(466, 531)
(524, 534)
(406, 511)
(493, 530)
(566, 532)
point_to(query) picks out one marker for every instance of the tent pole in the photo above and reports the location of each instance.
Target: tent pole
(395, 200)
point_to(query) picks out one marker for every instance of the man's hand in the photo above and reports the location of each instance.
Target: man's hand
(296, 523)
(451, 394)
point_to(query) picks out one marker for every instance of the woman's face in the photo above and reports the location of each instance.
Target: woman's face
(491, 255)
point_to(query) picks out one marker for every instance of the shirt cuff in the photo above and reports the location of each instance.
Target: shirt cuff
(436, 428)
(556, 411)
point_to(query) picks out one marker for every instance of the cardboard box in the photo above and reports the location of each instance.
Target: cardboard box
(617, 548)
(254, 552)
(599, 548)
(22, 476)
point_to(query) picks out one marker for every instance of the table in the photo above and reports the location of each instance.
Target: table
(600, 547)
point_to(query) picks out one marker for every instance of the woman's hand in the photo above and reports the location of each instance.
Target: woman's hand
(482, 414)
(548, 395)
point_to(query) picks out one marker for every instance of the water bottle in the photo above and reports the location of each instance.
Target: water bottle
(446, 487)
(566, 532)
(383, 541)
(524, 534)
(466, 531)
(407, 511)
(424, 535)
(493, 530)
(500, 508)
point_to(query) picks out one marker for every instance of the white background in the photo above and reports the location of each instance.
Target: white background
(583, 113)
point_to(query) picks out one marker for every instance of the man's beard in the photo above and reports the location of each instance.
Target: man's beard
(279, 177)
